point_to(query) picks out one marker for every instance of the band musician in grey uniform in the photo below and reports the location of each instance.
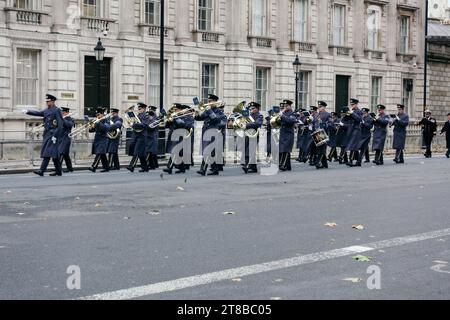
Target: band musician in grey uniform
(400, 123)
(66, 141)
(355, 117)
(366, 134)
(380, 122)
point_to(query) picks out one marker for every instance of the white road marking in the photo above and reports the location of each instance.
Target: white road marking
(240, 272)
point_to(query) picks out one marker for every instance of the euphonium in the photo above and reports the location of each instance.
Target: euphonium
(131, 118)
(275, 121)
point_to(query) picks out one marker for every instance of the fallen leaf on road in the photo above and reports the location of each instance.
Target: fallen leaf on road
(331, 224)
(77, 198)
(98, 205)
(358, 227)
(94, 187)
(275, 298)
(381, 251)
(440, 262)
(21, 214)
(229, 213)
(27, 203)
(278, 280)
(236, 280)
(154, 213)
(180, 189)
(361, 258)
(126, 218)
(354, 280)
(182, 206)
(8, 192)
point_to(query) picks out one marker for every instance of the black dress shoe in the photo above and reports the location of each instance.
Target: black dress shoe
(395, 160)
(283, 169)
(92, 169)
(245, 169)
(143, 170)
(201, 172)
(447, 154)
(367, 161)
(169, 171)
(113, 169)
(68, 170)
(39, 172)
(131, 169)
(56, 174)
(214, 173)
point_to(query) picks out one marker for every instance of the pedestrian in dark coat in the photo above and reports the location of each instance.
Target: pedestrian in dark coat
(115, 129)
(66, 141)
(400, 123)
(287, 136)
(380, 122)
(53, 129)
(446, 129)
(139, 140)
(100, 144)
(429, 130)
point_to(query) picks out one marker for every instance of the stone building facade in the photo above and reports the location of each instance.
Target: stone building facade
(237, 49)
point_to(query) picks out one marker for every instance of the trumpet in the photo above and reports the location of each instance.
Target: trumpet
(202, 107)
(90, 125)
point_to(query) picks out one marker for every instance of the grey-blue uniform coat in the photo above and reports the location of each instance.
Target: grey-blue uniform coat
(307, 140)
(64, 144)
(342, 134)
(268, 135)
(152, 136)
(400, 132)
(139, 139)
(100, 144)
(380, 132)
(446, 129)
(332, 132)
(287, 131)
(354, 133)
(257, 124)
(50, 115)
(113, 144)
(366, 132)
(185, 122)
(212, 119)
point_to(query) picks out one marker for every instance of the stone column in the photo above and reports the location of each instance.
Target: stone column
(65, 18)
(127, 24)
(359, 29)
(322, 28)
(392, 27)
(283, 35)
(183, 28)
(237, 28)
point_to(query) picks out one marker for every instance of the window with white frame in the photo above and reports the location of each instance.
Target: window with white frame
(209, 80)
(262, 86)
(375, 92)
(27, 77)
(301, 20)
(153, 83)
(339, 19)
(408, 85)
(259, 17)
(373, 28)
(303, 89)
(205, 15)
(91, 8)
(27, 4)
(404, 34)
(152, 11)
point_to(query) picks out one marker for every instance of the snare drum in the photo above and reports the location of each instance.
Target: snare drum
(320, 137)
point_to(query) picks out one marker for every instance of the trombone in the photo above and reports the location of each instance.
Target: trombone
(37, 129)
(202, 107)
(90, 125)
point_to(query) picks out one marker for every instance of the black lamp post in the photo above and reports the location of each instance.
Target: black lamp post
(99, 56)
(296, 64)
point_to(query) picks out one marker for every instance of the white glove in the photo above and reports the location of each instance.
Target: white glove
(397, 118)
(54, 139)
(300, 123)
(341, 123)
(24, 111)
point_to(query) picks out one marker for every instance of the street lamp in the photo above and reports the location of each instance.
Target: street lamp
(99, 56)
(296, 65)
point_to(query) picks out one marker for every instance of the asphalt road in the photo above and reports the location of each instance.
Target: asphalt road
(141, 236)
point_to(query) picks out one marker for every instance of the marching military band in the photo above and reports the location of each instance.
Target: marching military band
(317, 130)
